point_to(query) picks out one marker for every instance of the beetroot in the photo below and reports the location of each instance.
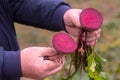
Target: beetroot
(64, 43)
(91, 19)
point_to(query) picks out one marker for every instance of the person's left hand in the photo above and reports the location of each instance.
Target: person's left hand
(35, 66)
(73, 26)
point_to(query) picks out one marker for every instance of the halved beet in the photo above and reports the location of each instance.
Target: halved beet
(91, 19)
(64, 43)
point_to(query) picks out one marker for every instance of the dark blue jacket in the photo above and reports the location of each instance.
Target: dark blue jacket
(47, 14)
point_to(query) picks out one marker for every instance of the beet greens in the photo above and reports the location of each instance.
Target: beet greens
(84, 58)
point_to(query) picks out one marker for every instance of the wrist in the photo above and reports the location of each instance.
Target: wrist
(58, 19)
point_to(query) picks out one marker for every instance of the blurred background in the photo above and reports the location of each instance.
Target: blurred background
(108, 46)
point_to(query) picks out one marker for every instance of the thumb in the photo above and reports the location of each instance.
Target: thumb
(75, 17)
(71, 17)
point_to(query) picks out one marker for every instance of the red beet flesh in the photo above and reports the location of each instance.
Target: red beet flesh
(91, 19)
(64, 43)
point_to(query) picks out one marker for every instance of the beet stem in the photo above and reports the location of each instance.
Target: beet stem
(69, 71)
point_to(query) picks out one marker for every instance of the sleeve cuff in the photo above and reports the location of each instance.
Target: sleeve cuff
(11, 63)
(58, 17)
(1, 62)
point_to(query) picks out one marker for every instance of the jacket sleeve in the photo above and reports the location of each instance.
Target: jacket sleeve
(10, 64)
(46, 14)
(1, 63)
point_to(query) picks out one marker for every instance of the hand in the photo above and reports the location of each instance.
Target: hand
(73, 26)
(34, 66)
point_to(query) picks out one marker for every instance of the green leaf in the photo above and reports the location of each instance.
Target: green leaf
(91, 74)
(103, 75)
(93, 65)
(98, 61)
(90, 60)
(99, 58)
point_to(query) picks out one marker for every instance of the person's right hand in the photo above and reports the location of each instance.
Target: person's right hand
(34, 66)
(72, 24)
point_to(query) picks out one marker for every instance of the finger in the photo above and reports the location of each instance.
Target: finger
(90, 39)
(75, 20)
(48, 51)
(88, 34)
(95, 32)
(98, 31)
(46, 65)
(73, 17)
(50, 66)
(91, 43)
(73, 31)
(92, 33)
(58, 68)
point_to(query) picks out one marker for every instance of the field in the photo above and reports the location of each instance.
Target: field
(108, 46)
